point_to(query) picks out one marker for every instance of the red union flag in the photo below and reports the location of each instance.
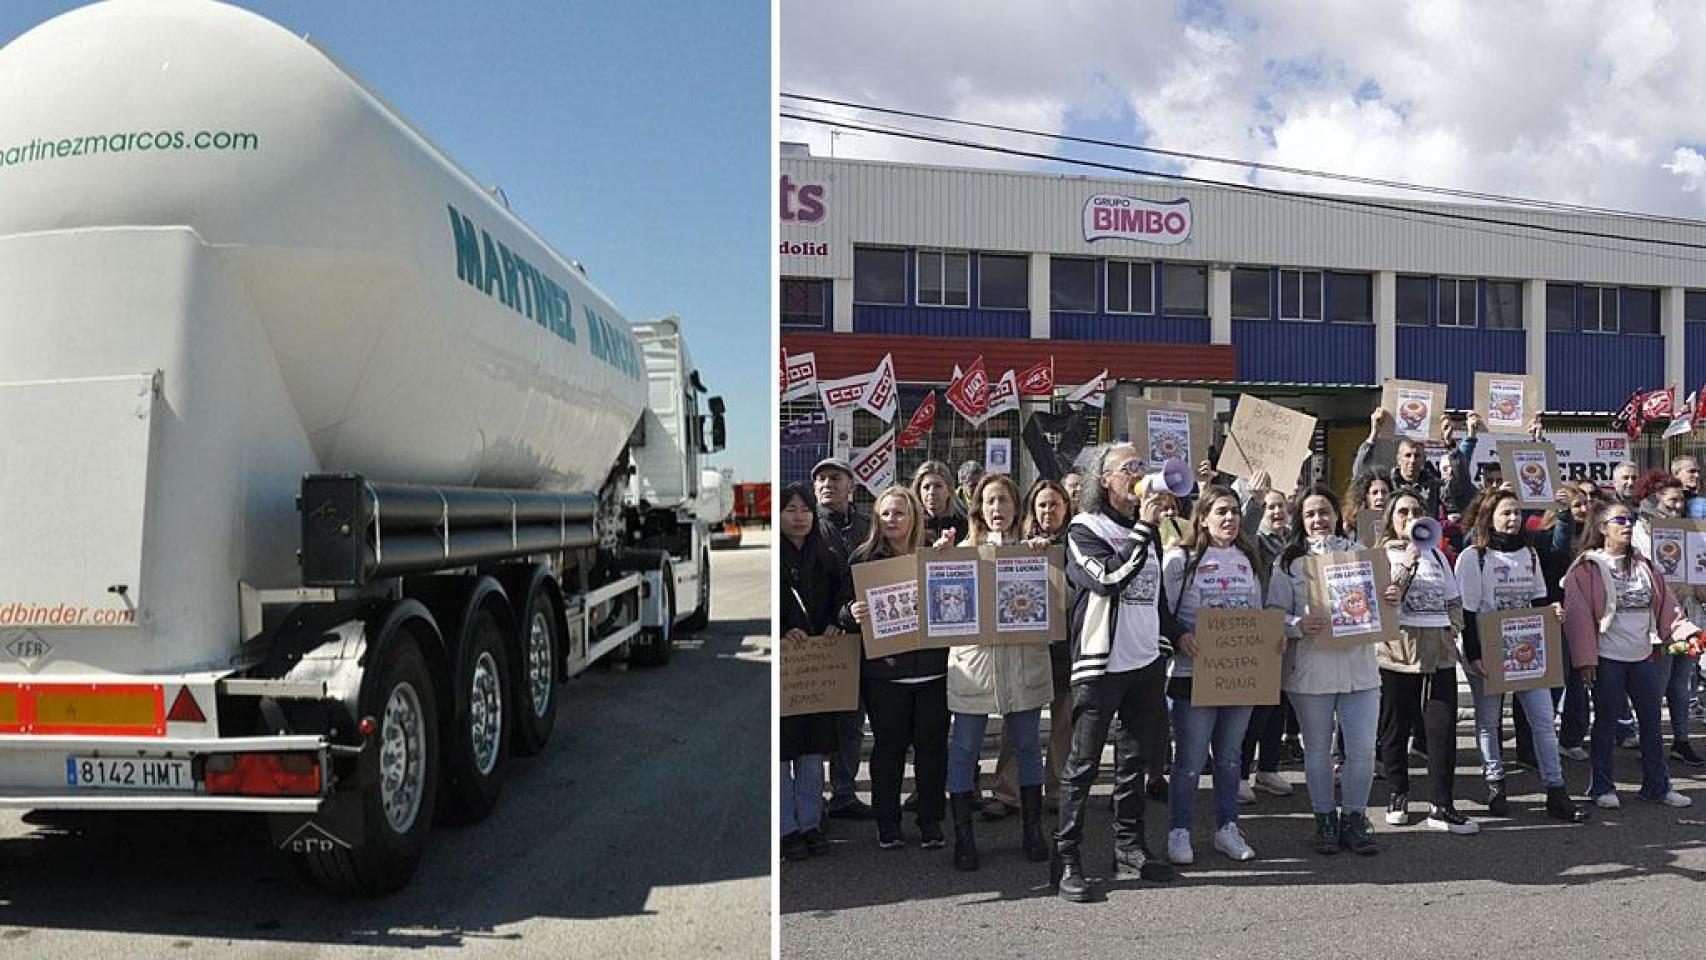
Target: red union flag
(923, 420)
(1038, 381)
(799, 375)
(1700, 406)
(843, 394)
(873, 466)
(969, 393)
(1091, 393)
(1658, 403)
(879, 397)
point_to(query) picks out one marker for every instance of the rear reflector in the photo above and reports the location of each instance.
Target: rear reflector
(111, 709)
(185, 709)
(263, 774)
(9, 713)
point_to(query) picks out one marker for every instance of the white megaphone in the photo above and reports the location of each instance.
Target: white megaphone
(1424, 533)
(1174, 477)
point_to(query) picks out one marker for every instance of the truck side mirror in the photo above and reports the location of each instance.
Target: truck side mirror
(719, 429)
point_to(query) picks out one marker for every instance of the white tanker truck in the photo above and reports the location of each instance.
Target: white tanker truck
(319, 470)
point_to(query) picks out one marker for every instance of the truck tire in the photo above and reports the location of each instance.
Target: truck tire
(476, 745)
(701, 617)
(655, 645)
(399, 782)
(535, 696)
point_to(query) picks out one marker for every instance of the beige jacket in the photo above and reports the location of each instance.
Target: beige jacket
(998, 680)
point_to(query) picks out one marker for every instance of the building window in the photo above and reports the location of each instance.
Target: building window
(1252, 294)
(1456, 302)
(804, 302)
(1599, 309)
(1694, 306)
(1560, 308)
(1640, 311)
(1072, 285)
(1131, 287)
(1353, 298)
(1003, 282)
(1184, 290)
(944, 278)
(1504, 305)
(1413, 296)
(879, 275)
(1300, 294)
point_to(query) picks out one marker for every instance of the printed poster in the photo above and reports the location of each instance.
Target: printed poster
(1669, 547)
(820, 674)
(1164, 430)
(1695, 550)
(998, 454)
(1169, 436)
(1415, 406)
(1533, 469)
(951, 594)
(1025, 590)
(1521, 649)
(1347, 589)
(1238, 658)
(1506, 401)
(890, 589)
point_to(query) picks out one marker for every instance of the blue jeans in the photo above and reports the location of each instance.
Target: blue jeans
(844, 762)
(965, 748)
(1679, 692)
(1193, 728)
(1489, 728)
(1359, 717)
(1641, 683)
(802, 793)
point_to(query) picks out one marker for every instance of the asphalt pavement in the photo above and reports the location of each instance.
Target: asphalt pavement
(642, 831)
(1622, 884)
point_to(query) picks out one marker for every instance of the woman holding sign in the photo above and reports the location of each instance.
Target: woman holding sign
(1617, 612)
(1328, 685)
(1215, 567)
(906, 695)
(1012, 680)
(1502, 571)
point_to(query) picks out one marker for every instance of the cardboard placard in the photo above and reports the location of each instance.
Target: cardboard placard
(952, 590)
(1415, 406)
(1025, 592)
(890, 588)
(1507, 401)
(820, 674)
(1532, 468)
(1669, 547)
(1185, 398)
(1521, 649)
(1368, 527)
(1348, 589)
(1267, 436)
(1238, 658)
(1164, 431)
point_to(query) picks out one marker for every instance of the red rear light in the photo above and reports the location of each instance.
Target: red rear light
(185, 709)
(263, 774)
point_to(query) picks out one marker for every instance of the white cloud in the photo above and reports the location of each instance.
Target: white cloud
(1591, 101)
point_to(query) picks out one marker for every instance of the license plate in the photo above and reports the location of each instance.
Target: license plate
(128, 773)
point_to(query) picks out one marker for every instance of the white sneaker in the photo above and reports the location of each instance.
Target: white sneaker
(1245, 794)
(1607, 801)
(1674, 799)
(1179, 846)
(1230, 841)
(1575, 753)
(1452, 822)
(1272, 783)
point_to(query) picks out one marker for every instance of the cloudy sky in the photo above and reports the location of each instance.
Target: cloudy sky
(1599, 102)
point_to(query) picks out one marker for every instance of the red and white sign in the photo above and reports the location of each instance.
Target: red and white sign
(843, 394)
(873, 466)
(923, 420)
(879, 395)
(1092, 393)
(1109, 216)
(969, 393)
(800, 375)
(1038, 381)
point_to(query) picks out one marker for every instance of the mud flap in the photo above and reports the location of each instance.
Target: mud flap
(338, 822)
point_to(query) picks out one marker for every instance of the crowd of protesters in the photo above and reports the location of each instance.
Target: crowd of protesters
(1142, 563)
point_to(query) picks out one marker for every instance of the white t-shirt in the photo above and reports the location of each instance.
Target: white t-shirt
(1431, 590)
(1136, 647)
(1630, 638)
(1223, 579)
(1497, 580)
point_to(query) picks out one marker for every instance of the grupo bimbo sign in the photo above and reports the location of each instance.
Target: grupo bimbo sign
(1109, 216)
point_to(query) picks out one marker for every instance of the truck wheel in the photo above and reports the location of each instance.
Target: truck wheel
(398, 773)
(535, 695)
(655, 644)
(477, 743)
(701, 617)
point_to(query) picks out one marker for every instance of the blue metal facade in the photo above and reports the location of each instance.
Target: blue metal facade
(918, 320)
(1451, 355)
(1694, 354)
(1598, 371)
(1122, 326)
(1304, 351)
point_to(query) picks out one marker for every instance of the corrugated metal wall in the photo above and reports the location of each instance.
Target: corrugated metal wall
(1128, 327)
(1452, 356)
(1596, 371)
(1695, 355)
(1304, 351)
(941, 321)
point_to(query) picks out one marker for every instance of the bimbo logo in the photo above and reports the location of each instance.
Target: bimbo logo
(1110, 216)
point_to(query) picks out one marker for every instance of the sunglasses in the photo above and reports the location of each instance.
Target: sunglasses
(1620, 521)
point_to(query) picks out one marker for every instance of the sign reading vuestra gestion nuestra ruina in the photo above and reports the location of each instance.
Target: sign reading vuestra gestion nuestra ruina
(1110, 216)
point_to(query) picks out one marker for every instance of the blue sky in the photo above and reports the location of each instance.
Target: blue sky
(635, 137)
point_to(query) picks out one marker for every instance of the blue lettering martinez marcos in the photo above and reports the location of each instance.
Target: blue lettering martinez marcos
(499, 272)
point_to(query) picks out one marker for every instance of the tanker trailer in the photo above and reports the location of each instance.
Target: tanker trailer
(313, 457)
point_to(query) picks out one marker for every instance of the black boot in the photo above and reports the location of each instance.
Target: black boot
(1559, 806)
(1068, 879)
(1031, 812)
(965, 844)
(1498, 801)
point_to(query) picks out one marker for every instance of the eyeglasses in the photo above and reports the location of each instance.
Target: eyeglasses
(1620, 520)
(1133, 467)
